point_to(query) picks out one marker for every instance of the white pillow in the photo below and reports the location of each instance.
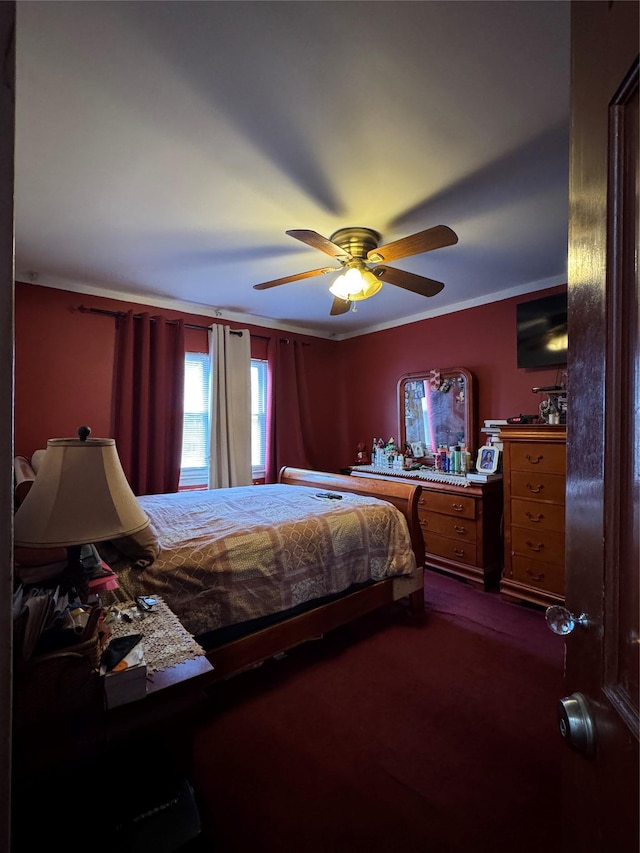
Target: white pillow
(36, 459)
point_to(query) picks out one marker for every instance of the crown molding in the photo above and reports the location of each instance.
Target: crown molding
(216, 313)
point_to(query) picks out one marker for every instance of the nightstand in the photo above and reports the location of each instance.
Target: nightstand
(77, 763)
(60, 712)
(171, 654)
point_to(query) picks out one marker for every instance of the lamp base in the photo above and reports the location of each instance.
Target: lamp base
(74, 578)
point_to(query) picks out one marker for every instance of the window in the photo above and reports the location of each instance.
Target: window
(194, 467)
(195, 440)
(258, 417)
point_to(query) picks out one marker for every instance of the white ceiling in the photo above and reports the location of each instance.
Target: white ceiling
(164, 148)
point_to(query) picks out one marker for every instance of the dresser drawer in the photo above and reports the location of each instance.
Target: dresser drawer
(538, 456)
(534, 573)
(442, 546)
(537, 516)
(535, 485)
(456, 505)
(545, 545)
(447, 525)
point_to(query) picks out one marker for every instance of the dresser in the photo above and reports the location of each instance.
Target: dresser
(534, 467)
(461, 527)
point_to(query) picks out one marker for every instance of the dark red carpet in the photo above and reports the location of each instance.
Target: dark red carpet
(392, 736)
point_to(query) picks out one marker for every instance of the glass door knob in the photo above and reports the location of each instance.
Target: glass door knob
(562, 621)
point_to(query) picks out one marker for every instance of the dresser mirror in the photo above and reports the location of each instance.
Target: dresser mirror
(436, 408)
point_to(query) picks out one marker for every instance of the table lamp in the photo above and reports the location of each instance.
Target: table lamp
(80, 496)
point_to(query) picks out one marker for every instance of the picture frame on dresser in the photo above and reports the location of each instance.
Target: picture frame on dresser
(488, 459)
(418, 449)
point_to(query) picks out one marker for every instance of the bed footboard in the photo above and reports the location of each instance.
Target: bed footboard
(402, 495)
(251, 649)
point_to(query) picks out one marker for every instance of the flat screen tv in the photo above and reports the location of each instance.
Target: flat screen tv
(542, 331)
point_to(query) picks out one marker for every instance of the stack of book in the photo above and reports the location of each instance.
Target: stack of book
(481, 477)
(103, 579)
(491, 429)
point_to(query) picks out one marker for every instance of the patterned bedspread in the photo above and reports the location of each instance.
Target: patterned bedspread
(229, 555)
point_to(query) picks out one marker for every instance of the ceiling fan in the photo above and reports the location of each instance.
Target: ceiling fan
(364, 262)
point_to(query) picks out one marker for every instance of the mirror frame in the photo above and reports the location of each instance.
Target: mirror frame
(449, 373)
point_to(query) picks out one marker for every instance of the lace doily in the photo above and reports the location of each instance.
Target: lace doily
(166, 642)
(419, 474)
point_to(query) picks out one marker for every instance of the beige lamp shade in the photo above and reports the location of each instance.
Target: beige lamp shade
(80, 495)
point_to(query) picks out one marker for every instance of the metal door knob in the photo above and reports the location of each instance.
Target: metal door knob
(562, 621)
(576, 723)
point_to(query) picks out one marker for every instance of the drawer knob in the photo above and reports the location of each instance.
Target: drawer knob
(535, 576)
(533, 518)
(459, 552)
(457, 507)
(534, 489)
(459, 529)
(534, 460)
(533, 547)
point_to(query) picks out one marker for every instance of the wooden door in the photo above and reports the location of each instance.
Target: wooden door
(7, 122)
(600, 792)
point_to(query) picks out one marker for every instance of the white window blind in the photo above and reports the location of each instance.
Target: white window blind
(194, 467)
(258, 416)
(196, 426)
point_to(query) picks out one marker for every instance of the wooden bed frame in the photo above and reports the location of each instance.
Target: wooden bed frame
(252, 649)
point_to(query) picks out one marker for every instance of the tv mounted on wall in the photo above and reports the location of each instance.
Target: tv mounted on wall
(542, 331)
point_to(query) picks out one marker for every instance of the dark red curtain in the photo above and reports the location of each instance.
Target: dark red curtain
(288, 416)
(149, 401)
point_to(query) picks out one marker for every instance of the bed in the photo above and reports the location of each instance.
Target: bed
(253, 571)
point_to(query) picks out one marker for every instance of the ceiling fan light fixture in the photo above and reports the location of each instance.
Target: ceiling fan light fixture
(358, 253)
(339, 288)
(371, 284)
(355, 284)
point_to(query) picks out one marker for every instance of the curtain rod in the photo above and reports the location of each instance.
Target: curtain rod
(108, 313)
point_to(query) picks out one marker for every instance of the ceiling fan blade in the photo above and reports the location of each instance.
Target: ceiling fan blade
(339, 306)
(276, 281)
(312, 238)
(415, 244)
(409, 281)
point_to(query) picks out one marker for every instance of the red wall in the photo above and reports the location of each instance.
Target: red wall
(482, 339)
(64, 369)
